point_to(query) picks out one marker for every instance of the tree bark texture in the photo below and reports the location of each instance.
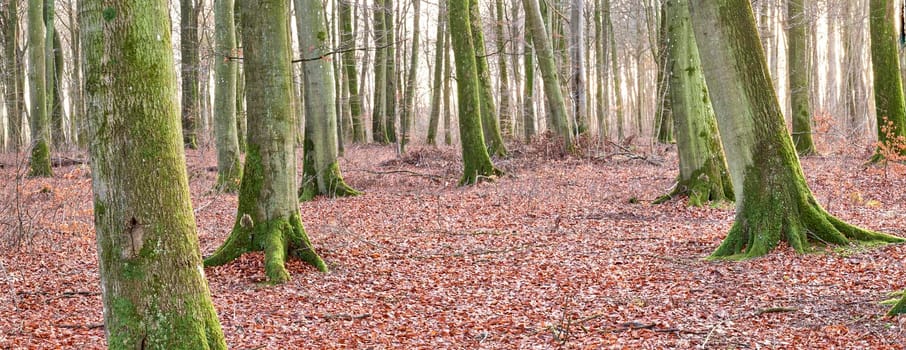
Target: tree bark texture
(773, 201)
(268, 215)
(39, 164)
(152, 280)
(229, 167)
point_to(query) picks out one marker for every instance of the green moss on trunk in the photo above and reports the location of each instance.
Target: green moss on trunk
(267, 217)
(155, 295)
(773, 201)
(703, 175)
(476, 161)
(39, 164)
(890, 105)
(798, 56)
(229, 167)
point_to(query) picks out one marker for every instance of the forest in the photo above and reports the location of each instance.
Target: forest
(600, 174)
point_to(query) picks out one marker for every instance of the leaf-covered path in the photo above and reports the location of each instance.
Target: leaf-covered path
(555, 253)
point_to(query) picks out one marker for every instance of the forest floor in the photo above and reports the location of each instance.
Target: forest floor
(560, 252)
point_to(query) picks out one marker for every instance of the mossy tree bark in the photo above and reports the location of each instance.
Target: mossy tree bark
(577, 61)
(703, 175)
(229, 167)
(321, 170)
(188, 49)
(347, 41)
(773, 201)
(602, 86)
(448, 75)
(56, 108)
(663, 120)
(549, 73)
(890, 105)
(437, 86)
(505, 116)
(268, 215)
(39, 164)
(528, 107)
(614, 69)
(378, 128)
(490, 125)
(476, 161)
(390, 75)
(798, 58)
(152, 281)
(11, 74)
(411, 84)
(241, 120)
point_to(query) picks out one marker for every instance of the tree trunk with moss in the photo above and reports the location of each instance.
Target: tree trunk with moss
(549, 73)
(773, 201)
(476, 161)
(229, 167)
(663, 120)
(505, 116)
(321, 170)
(437, 86)
(890, 105)
(188, 49)
(615, 69)
(52, 43)
(797, 56)
(411, 84)
(577, 61)
(268, 215)
(11, 74)
(39, 164)
(528, 107)
(58, 135)
(351, 77)
(154, 291)
(490, 125)
(390, 75)
(448, 75)
(378, 129)
(703, 175)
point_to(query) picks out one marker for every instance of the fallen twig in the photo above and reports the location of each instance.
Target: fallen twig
(345, 317)
(85, 326)
(407, 172)
(775, 310)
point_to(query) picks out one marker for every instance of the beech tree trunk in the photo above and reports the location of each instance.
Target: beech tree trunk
(528, 107)
(577, 59)
(505, 115)
(411, 84)
(890, 105)
(476, 161)
(378, 128)
(798, 63)
(703, 175)
(229, 167)
(448, 75)
(268, 215)
(615, 69)
(188, 48)
(11, 75)
(152, 281)
(437, 86)
(39, 164)
(490, 125)
(55, 83)
(549, 73)
(390, 77)
(347, 41)
(320, 168)
(773, 201)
